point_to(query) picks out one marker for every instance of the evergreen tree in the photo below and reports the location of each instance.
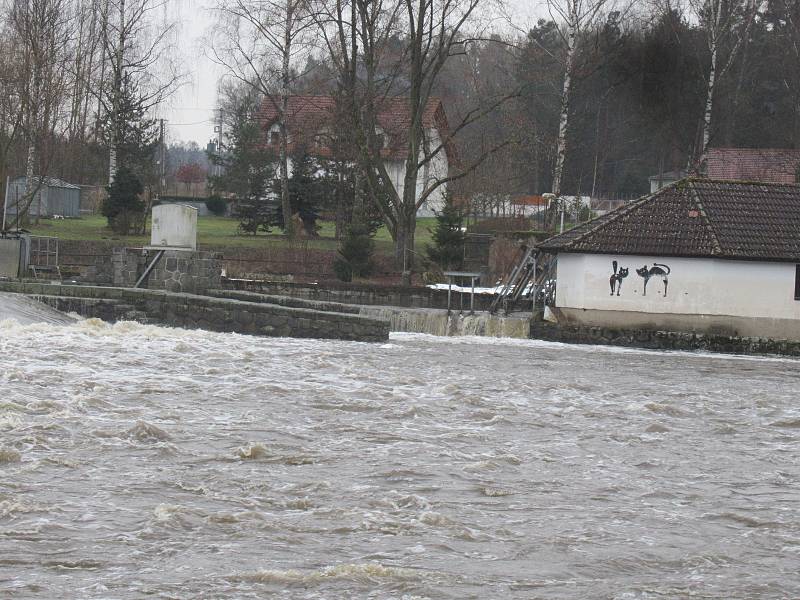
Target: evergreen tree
(305, 191)
(124, 205)
(246, 164)
(448, 238)
(355, 253)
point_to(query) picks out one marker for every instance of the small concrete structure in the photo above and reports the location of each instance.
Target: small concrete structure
(174, 226)
(11, 255)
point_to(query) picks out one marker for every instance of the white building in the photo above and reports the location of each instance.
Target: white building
(310, 123)
(700, 256)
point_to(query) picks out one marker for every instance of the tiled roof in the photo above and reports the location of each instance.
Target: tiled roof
(697, 218)
(308, 116)
(753, 164)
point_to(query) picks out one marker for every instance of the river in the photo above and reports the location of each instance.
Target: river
(145, 461)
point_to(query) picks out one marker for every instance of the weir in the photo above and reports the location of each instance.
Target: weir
(26, 311)
(439, 322)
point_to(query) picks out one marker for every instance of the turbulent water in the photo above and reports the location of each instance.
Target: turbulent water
(142, 461)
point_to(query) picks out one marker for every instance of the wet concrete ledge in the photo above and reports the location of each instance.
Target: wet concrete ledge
(662, 340)
(203, 312)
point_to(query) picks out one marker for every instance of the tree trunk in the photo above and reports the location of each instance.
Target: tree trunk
(712, 74)
(561, 144)
(404, 245)
(286, 204)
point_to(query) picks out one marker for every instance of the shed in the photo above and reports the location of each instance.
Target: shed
(54, 198)
(703, 256)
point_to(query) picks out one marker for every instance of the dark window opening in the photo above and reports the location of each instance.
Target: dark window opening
(797, 282)
(274, 138)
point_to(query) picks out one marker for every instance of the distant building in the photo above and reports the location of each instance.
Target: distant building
(54, 198)
(753, 164)
(311, 123)
(664, 179)
(701, 256)
(528, 205)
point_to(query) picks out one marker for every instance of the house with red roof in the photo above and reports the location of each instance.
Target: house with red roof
(311, 123)
(773, 165)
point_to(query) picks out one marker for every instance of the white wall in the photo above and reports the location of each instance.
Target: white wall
(696, 286)
(437, 169)
(174, 225)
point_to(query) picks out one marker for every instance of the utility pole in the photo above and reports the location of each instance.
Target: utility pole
(218, 131)
(163, 169)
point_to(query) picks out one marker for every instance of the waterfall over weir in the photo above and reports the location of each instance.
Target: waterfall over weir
(438, 322)
(26, 311)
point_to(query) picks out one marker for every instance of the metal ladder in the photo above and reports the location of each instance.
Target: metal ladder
(531, 272)
(516, 281)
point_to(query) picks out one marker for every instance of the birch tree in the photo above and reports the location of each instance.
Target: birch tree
(136, 50)
(727, 26)
(260, 42)
(576, 17)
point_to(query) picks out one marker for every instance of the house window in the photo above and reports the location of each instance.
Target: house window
(274, 137)
(797, 282)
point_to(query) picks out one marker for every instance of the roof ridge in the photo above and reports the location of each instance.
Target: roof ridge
(741, 182)
(717, 247)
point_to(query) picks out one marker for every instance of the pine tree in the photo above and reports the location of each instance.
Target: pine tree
(355, 253)
(448, 238)
(305, 191)
(246, 165)
(124, 205)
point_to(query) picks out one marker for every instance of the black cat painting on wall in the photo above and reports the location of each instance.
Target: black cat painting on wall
(616, 277)
(657, 270)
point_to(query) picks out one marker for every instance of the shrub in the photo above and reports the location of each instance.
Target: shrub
(216, 205)
(355, 254)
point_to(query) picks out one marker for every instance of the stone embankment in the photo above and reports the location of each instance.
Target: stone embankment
(204, 312)
(662, 340)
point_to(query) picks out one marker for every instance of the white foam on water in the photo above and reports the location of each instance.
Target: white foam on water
(176, 463)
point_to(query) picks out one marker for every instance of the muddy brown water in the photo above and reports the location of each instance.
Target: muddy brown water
(143, 461)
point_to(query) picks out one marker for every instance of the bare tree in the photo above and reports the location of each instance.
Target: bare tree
(576, 17)
(136, 50)
(42, 30)
(260, 42)
(727, 25)
(359, 35)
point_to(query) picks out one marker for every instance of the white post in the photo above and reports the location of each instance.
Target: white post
(5, 203)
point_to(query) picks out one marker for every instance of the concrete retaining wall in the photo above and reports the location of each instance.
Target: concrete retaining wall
(365, 295)
(203, 312)
(662, 340)
(178, 271)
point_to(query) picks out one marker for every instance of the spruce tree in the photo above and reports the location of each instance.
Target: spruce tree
(305, 187)
(447, 250)
(124, 205)
(246, 165)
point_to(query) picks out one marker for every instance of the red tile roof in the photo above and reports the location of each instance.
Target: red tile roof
(530, 201)
(697, 218)
(308, 116)
(753, 164)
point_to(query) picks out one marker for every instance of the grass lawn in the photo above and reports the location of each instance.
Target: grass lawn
(217, 232)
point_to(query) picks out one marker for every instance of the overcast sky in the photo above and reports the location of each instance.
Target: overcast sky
(189, 112)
